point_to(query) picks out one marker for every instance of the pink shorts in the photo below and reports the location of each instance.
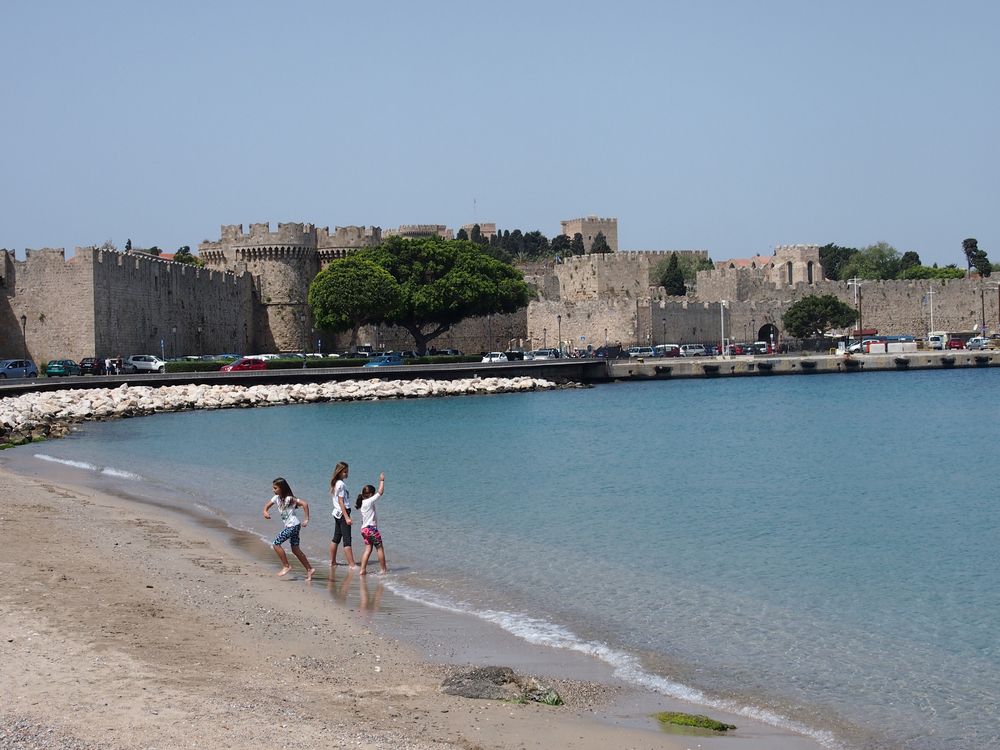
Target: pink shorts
(371, 536)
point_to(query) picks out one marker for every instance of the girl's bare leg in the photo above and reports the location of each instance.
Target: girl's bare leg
(381, 559)
(310, 570)
(285, 567)
(349, 554)
(333, 553)
(364, 559)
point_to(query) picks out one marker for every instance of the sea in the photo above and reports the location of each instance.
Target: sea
(816, 552)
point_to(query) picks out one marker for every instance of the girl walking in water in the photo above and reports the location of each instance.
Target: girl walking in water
(341, 515)
(369, 524)
(288, 504)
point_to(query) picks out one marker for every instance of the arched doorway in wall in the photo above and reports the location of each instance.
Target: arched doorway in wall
(769, 333)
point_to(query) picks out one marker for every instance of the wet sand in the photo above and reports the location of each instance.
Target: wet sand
(128, 625)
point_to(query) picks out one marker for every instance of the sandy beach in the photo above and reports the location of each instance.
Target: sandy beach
(127, 625)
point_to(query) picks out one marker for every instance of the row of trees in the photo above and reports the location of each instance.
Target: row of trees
(425, 286)
(883, 261)
(515, 245)
(675, 272)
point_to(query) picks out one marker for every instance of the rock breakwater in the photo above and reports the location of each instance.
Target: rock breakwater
(40, 415)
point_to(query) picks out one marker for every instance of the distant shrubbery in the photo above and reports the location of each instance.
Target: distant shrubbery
(295, 363)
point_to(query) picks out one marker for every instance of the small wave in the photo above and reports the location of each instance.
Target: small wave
(626, 667)
(66, 462)
(113, 472)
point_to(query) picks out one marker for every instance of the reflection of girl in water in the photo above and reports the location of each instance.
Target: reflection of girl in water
(370, 602)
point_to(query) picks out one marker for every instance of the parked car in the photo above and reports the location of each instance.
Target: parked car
(392, 359)
(17, 368)
(495, 357)
(144, 363)
(514, 355)
(548, 353)
(641, 351)
(693, 350)
(667, 350)
(91, 366)
(955, 344)
(611, 351)
(977, 342)
(711, 350)
(59, 367)
(243, 364)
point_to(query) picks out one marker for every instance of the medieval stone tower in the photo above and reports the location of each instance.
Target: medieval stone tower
(589, 227)
(282, 264)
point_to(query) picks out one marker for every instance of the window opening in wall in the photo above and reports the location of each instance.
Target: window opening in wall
(789, 267)
(809, 272)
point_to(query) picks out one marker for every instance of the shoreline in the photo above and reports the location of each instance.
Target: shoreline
(189, 573)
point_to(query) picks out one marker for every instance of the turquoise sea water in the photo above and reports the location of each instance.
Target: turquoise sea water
(817, 551)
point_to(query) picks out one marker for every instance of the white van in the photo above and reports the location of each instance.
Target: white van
(937, 339)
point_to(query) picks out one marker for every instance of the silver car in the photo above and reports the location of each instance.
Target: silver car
(145, 363)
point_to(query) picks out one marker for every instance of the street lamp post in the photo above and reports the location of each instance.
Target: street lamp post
(722, 328)
(199, 341)
(605, 341)
(305, 338)
(559, 323)
(24, 336)
(173, 330)
(856, 283)
(545, 341)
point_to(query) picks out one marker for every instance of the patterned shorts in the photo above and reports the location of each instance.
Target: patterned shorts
(371, 536)
(289, 532)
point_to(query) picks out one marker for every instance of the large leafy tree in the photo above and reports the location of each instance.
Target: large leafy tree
(351, 292)
(442, 282)
(184, 255)
(576, 245)
(561, 245)
(816, 314)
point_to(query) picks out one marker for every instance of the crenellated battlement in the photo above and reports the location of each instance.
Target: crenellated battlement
(274, 252)
(294, 233)
(348, 237)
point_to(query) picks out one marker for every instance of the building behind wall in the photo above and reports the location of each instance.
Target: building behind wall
(589, 227)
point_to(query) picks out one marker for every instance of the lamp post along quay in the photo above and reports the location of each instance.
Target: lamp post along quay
(559, 323)
(856, 283)
(24, 336)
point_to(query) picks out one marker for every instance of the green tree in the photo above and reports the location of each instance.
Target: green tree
(351, 292)
(970, 247)
(672, 278)
(442, 282)
(909, 260)
(816, 314)
(536, 245)
(476, 237)
(184, 255)
(928, 272)
(462, 234)
(878, 261)
(833, 257)
(600, 244)
(561, 246)
(576, 245)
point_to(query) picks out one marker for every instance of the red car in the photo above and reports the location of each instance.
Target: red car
(247, 363)
(955, 344)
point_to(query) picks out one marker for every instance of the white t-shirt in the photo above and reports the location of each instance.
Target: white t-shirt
(368, 516)
(287, 508)
(340, 490)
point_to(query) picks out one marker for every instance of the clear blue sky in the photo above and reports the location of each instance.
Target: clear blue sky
(731, 126)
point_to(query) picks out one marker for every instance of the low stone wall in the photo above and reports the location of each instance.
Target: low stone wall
(39, 415)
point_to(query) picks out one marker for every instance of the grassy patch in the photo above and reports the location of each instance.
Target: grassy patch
(692, 720)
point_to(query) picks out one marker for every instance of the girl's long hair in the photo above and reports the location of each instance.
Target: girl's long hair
(338, 472)
(283, 489)
(366, 492)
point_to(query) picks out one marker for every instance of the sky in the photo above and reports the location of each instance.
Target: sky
(729, 126)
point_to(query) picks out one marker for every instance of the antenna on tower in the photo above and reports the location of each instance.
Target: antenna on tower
(473, 210)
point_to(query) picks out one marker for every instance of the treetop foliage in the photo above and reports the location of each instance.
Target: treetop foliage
(816, 314)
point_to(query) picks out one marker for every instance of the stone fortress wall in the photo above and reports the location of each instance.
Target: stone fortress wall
(106, 303)
(251, 298)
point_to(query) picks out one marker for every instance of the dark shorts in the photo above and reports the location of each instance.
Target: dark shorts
(289, 532)
(371, 536)
(342, 530)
